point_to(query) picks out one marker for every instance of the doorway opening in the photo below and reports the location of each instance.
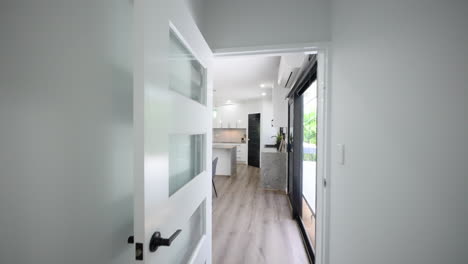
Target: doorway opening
(280, 175)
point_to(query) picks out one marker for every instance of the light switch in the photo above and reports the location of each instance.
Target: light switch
(340, 150)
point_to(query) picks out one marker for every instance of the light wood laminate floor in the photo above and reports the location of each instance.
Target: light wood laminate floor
(251, 225)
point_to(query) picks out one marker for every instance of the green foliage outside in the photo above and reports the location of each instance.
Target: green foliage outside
(310, 128)
(310, 133)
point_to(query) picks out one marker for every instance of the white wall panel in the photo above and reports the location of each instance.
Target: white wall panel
(248, 23)
(66, 185)
(400, 105)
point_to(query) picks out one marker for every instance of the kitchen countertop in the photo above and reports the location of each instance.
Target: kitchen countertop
(270, 150)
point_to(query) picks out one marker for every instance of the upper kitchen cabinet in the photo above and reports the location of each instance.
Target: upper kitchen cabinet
(288, 72)
(230, 116)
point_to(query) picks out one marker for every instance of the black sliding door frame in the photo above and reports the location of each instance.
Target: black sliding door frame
(290, 150)
(295, 146)
(295, 194)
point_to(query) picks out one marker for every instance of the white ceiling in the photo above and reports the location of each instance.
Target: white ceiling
(239, 78)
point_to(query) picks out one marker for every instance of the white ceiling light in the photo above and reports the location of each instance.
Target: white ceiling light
(263, 94)
(262, 85)
(228, 102)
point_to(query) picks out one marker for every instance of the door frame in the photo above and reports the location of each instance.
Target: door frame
(259, 139)
(322, 49)
(290, 151)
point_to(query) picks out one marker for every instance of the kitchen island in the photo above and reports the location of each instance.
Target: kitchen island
(274, 170)
(227, 159)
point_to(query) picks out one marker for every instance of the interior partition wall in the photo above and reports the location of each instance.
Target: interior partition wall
(296, 156)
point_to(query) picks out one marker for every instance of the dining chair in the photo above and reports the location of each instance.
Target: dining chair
(213, 170)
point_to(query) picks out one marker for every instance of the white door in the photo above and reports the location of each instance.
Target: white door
(172, 136)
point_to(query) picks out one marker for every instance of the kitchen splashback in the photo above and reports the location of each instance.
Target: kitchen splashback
(229, 135)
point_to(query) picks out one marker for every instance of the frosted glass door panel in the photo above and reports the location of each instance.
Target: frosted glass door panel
(192, 233)
(186, 75)
(186, 159)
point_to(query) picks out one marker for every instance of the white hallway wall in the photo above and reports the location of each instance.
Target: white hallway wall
(399, 99)
(66, 185)
(400, 104)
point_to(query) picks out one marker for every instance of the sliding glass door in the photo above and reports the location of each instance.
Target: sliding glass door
(309, 161)
(302, 153)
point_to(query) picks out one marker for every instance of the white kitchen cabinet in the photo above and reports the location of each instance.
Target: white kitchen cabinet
(231, 116)
(242, 153)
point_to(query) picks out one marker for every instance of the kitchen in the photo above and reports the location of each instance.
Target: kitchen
(243, 87)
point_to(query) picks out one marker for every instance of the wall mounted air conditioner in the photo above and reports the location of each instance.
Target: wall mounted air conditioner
(289, 68)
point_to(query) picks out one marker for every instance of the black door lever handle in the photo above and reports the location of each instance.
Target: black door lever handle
(156, 240)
